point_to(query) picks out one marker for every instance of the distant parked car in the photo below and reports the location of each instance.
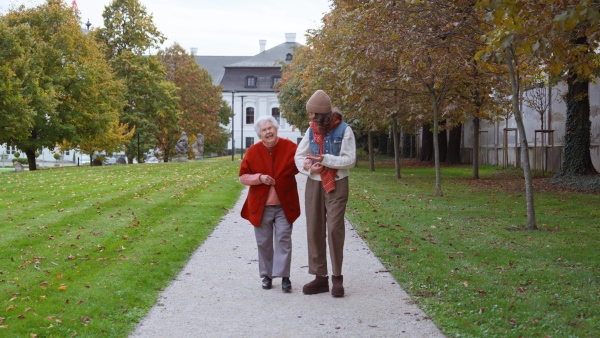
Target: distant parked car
(152, 160)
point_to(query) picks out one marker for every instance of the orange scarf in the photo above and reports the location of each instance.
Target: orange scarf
(327, 175)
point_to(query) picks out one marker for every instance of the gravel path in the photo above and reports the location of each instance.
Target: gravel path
(218, 293)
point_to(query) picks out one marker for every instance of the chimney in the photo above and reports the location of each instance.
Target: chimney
(290, 37)
(193, 51)
(262, 44)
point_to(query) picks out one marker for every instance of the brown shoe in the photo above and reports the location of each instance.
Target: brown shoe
(337, 290)
(319, 285)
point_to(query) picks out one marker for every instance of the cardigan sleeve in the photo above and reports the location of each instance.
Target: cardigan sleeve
(250, 179)
(301, 152)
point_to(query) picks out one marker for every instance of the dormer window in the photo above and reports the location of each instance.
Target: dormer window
(250, 81)
(289, 57)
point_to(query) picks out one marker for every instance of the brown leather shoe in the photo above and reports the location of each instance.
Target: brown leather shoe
(318, 285)
(337, 289)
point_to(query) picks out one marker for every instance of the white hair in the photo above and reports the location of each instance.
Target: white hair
(262, 119)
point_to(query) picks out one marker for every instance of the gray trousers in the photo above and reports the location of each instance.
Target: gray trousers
(274, 241)
(325, 224)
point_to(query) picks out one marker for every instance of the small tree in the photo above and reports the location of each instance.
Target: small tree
(56, 156)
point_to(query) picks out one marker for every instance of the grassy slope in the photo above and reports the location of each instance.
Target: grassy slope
(112, 237)
(466, 259)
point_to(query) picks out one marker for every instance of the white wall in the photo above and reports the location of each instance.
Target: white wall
(492, 134)
(262, 104)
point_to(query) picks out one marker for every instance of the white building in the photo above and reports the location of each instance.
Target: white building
(247, 83)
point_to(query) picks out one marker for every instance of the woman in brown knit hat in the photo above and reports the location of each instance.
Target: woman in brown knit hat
(329, 143)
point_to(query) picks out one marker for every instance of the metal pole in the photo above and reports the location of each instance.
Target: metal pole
(242, 130)
(232, 125)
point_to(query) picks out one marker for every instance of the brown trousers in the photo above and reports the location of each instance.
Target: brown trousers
(325, 225)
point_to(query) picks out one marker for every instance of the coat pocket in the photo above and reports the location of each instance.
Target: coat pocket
(291, 199)
(255, 201)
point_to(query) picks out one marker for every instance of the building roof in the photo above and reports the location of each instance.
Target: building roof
(215, 65)
(268, 58)
(273, 58)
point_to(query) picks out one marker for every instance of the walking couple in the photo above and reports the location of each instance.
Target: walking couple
(325, 154)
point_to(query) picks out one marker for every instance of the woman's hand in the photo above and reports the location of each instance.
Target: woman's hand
(266, 179)
(316, 168)
(318, 158)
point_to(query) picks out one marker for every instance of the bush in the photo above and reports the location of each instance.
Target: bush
(17, 154)
(98, 161)
(21, 160)
(56, 156)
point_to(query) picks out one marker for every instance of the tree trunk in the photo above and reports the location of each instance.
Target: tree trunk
(396, 147)
(476, 148)
(510, 61)
(31, 159)
(453, 153)
(577, 159)
(407, 149)
(436, 147)
(371, 153)
(426, 144)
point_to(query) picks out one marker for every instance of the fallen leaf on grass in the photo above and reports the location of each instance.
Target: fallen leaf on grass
(10, 307)
(62, 287)
(3, 326)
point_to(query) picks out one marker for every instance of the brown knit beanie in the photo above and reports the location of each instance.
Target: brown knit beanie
(319, 103)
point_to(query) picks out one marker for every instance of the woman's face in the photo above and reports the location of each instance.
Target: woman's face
(268, 133)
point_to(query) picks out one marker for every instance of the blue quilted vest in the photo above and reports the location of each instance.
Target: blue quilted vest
(332, 144)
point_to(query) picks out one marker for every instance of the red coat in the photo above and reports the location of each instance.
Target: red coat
(279, 164)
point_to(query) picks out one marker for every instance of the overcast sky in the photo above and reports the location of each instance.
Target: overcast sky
(216, 27)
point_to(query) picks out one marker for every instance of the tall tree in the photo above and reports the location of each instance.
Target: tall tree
(151, 100)
(200, 100)
(292, 98)
(76, 92)
(18, 74)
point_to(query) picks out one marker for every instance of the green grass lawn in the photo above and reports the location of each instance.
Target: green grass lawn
(466, 258)
(87, 250)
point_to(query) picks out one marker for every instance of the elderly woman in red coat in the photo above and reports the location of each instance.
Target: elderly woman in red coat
(272, 205)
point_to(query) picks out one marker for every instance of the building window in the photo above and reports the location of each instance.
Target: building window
(11, 150)
(249, 115)
(288, 57)
(250, 81)
(249, 142)
(275, 113)
(67, 153)
(274, 81)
